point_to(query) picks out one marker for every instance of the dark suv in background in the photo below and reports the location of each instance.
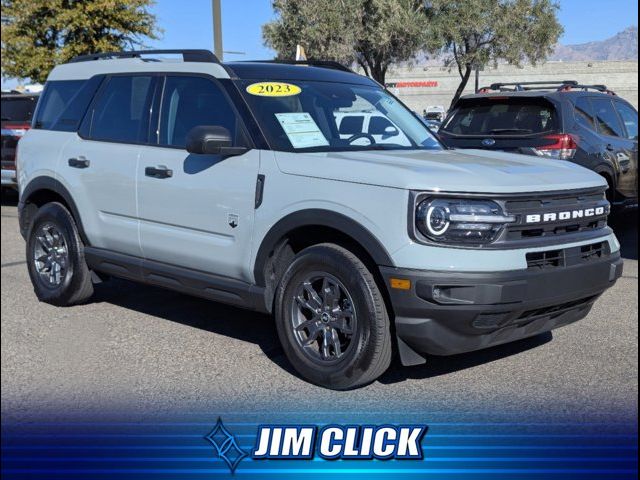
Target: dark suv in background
(586, 124)
(17, 111)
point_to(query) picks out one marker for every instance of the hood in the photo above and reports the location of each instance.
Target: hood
(469, 171)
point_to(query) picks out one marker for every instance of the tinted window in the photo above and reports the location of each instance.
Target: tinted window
(18, 109)
(191, 101)
(630, 119)
(121, 112)
(503, 116)
(351, 125)
(57, 98)
(607, 118)
(378, 125)
(585, 113)
(64, 103)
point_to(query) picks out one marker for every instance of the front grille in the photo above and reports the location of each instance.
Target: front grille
(558, 203)
(568, 256)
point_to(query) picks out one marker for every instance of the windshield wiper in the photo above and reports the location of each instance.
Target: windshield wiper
(514, 130)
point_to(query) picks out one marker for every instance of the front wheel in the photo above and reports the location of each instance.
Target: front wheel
(332, 320)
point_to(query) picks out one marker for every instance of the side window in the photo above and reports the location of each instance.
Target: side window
(378, 125)
(121, 112)
(351, 125)
(64, 103)
(584, 113)
(630, 119)
(607, 118)
(191, 101)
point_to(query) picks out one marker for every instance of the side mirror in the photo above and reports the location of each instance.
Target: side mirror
(391, 131)
(212, 140)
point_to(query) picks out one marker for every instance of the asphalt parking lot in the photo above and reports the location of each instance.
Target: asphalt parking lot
(143, 349)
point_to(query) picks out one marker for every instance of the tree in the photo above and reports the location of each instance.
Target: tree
(478, 32)
(372, 33)
(38, 34)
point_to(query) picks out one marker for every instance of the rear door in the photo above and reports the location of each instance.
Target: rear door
(101, 162)
(508, 123)
(616, 146)
(199, 214)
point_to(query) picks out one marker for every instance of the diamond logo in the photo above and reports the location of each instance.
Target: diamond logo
(226, 446)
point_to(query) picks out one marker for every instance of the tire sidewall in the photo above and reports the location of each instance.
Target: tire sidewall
(361, 353)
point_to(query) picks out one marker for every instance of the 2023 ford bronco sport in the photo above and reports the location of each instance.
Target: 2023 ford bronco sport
(234, 182)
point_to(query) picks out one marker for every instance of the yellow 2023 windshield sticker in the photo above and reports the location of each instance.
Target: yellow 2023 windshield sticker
(273, 89)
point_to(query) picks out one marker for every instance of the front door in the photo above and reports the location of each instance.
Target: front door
(197, 211)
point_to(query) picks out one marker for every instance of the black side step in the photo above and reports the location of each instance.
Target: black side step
(184, 280)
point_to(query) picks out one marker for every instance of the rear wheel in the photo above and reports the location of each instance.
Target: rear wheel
(55, 258)
(332, 320)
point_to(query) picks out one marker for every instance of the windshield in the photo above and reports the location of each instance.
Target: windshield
(327, 117)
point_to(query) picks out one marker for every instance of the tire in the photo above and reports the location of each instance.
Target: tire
(356, 322)
(61, 276)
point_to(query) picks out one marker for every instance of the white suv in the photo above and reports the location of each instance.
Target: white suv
(233, 182)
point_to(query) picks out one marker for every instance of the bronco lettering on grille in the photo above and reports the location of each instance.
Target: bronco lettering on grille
(566, 215)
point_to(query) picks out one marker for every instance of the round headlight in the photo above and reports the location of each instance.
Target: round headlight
(460, 221)
(437, 221)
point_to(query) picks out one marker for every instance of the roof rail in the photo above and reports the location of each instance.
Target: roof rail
(189, 55)
(312, 63)
(559, 86)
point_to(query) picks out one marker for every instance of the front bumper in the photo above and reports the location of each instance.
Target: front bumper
(445, 313)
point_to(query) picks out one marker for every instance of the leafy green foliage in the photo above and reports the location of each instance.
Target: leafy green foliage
(372, 33)
(475, 33)
(38, 34)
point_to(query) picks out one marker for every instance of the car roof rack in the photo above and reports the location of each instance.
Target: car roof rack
(311, 63)
(558, 86)
(188, 55)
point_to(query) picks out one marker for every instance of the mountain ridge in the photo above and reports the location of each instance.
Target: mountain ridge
(622, 46)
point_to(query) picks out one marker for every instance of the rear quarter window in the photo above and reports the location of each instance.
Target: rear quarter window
(502, 116)
(606, 118)
(64, 103)
(584, 113)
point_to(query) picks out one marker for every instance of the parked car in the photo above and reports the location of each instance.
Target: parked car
(435, 112)
(379, 127)
(586, 124)
(235, 182)
(434, 125)
(17, 111)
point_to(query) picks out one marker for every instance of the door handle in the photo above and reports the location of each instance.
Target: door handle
(610, 147)
(158, 172)
(79, 162)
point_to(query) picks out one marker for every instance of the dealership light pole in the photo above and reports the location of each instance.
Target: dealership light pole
(217, 29)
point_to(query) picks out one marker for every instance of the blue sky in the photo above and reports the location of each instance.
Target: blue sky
(583, 20)
(187, 24)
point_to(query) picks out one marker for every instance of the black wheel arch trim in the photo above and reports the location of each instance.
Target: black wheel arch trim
(49, 183)
(317, 218)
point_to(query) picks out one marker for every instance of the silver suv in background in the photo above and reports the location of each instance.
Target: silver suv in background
(235, 182)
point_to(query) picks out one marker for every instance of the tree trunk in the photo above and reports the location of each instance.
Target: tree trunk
(463, 84)
(378, 73)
